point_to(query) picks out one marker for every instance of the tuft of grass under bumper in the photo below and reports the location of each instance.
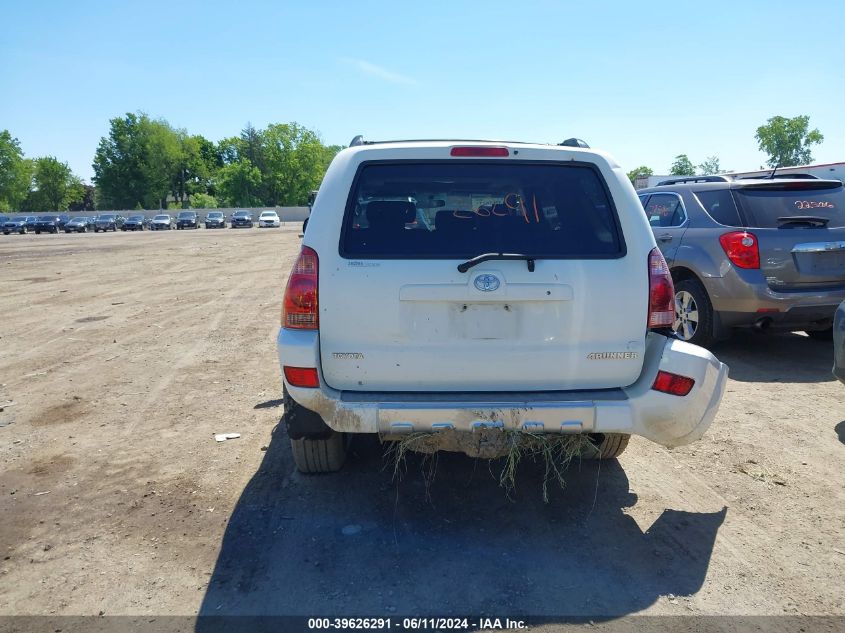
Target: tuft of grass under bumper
(555, 451)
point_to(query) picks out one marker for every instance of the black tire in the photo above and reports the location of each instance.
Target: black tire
(820, 335)
(324, 455)
(607, 445)
(38, 232)
(703, 334)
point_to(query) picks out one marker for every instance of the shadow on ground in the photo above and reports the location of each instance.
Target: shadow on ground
(776, 357)
(359, 543)
(269, 404)
(840, 431)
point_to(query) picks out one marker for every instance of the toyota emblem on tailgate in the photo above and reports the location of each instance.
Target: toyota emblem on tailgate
(486, 283)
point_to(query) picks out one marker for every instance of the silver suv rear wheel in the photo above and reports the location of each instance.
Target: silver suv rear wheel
(686, 315)
(693, 313)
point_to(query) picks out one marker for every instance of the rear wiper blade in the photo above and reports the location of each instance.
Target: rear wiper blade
(814, 220)
(486, 257)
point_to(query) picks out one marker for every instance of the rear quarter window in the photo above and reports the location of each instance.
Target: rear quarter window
(460, 209)
(719, 205)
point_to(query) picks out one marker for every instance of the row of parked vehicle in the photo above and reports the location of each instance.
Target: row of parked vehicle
(136, 222)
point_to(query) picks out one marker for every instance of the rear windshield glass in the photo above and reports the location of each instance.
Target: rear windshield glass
(784, 207)
(460, 210)
(720, 206)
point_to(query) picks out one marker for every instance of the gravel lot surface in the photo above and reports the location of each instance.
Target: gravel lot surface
(121, 355)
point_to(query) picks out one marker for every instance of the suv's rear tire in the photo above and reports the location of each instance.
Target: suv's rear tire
(607, 445)
(821, 335)
(324, 455)
(693, 313)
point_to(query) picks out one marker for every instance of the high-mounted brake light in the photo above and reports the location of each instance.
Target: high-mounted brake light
(300, 305)
(479, 151)
(661, 292)
(672, 384)
(741, 248)
(302, 377)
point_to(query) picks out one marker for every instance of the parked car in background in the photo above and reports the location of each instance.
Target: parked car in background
(187, 220)
(215, 220)
(64, 218)
(108, 222)
(17, 224)
(47, 224)
(135, 222)
(241, 219)
(79, 224)
(269, 219)
(484, 321)
(752, 253)
(30, 222)
(161, 222)
(839, 342)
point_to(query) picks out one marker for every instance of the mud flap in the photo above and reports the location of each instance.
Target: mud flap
(302, 423)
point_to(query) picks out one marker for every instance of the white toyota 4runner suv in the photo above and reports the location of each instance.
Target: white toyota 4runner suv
(473, 285)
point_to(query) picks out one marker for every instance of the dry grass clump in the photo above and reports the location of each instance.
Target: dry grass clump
(555, 451)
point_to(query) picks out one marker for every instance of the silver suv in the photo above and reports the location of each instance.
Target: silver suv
(761, 253)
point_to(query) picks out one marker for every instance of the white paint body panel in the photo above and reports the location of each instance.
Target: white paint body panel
(422, 323)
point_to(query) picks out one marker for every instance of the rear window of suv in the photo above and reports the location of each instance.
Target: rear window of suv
(773, 207)
(457, 210)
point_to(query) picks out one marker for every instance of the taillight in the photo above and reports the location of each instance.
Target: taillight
(741, 248)
(302, 376)
(661, 292)
(479, 151)
(299, 308)
(672, 384)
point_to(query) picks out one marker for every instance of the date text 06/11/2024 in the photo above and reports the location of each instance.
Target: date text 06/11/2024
(414, 624)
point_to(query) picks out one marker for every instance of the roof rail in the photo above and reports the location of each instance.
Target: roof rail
(683, 179)
(359, 140)
(785, 176)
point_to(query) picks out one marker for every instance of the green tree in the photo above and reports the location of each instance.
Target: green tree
(642, 170)
(290, 158)
(710, 166)
(296, 161)
(163, 160)
(198, 162)
(239, 184)
(54, 186)
(788, 141)
(682, 166)
(135, 164)
(203, 201)
(85, 202)
(15, 173)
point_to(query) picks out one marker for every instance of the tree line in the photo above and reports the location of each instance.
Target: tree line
(146, 163)
(786, 142)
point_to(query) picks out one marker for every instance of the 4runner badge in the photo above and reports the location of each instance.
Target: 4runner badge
(613, 355)
(486, 283)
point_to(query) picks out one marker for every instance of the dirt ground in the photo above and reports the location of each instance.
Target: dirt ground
(121, 355)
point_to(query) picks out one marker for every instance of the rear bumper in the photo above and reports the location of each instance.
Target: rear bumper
(637, 409)
(741, 297)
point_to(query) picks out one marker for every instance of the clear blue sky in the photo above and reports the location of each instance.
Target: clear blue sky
(645, 81)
